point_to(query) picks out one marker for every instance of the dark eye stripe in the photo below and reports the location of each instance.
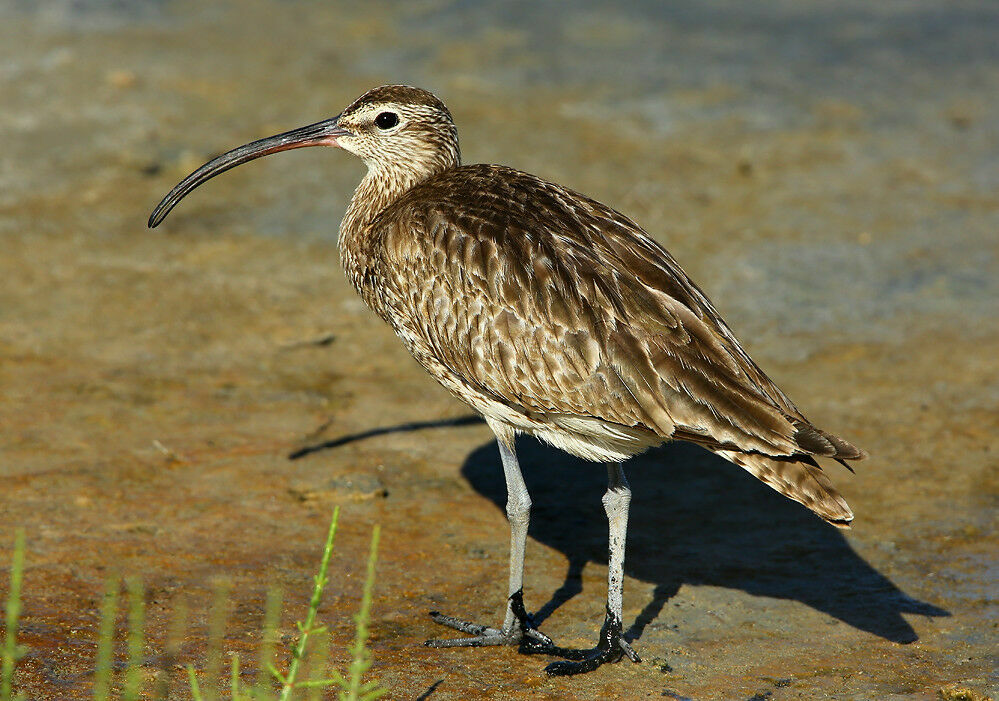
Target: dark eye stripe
(386, 120)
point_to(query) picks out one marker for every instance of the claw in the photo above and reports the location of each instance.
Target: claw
(531, 641)
(611, 648)
(528, 639)
(628, 651)
(481, 635)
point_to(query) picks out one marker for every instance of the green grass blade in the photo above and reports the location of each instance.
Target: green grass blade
(216, 631)
(105, 641)
(136, 639)
(234, 676)
(10, 653)
(175, 638)
(318, 665)
(192, 679)
(361, 656)
(317, 597)
(317, 684)
(375, 693)
(276, 673)
(272, 617)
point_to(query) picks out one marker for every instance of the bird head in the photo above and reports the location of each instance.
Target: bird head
(398, 126)
(402, 133)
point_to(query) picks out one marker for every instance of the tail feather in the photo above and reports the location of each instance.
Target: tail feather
(815, 441)
(801, 481)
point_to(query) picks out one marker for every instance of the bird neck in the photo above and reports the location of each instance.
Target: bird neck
(388, 180)
(375, 192)
(379, 188)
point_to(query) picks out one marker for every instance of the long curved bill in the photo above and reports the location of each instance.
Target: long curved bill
(323, 133)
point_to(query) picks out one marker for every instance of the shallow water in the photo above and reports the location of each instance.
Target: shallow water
(826, 172)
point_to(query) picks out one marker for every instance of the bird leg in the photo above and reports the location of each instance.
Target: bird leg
(611, 646)
(518, 628)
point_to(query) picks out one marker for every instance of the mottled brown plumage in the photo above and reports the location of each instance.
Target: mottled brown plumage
(580, 327)
(550, 314)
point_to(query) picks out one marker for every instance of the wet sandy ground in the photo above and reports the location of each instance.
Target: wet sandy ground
(828, 175)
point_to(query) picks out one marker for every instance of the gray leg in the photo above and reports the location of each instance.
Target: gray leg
(611, 646)
(517, 627)
(518, 511)
(616, 501)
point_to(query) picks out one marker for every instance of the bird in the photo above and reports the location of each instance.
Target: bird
(551, 315)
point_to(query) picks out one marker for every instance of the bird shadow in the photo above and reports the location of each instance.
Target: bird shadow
(697, 519)
(469, 420)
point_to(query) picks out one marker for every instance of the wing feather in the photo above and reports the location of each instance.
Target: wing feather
(553, 304)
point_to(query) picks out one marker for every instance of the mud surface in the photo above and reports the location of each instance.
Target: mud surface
(826, 173)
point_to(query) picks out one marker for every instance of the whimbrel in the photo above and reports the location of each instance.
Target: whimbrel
(553, 315)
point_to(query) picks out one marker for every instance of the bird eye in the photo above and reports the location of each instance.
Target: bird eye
(386, 120)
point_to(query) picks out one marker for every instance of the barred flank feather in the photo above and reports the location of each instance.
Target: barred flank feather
(816, 442)
(800, 481)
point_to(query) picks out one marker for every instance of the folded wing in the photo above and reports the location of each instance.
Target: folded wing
(557, 306)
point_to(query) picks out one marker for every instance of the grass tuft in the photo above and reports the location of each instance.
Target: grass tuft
(11, 651)
(105, 641)
(174, 641)
(136, 639)
(362, 656)
(266, 668)
(308, 668)
(306, 629)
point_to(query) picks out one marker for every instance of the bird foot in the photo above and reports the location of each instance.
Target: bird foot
(611, 648)
(523, 633)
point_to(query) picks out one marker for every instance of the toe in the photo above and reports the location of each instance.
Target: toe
(565, 668)
(628, 651)
(460, 625)
(477, 641)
